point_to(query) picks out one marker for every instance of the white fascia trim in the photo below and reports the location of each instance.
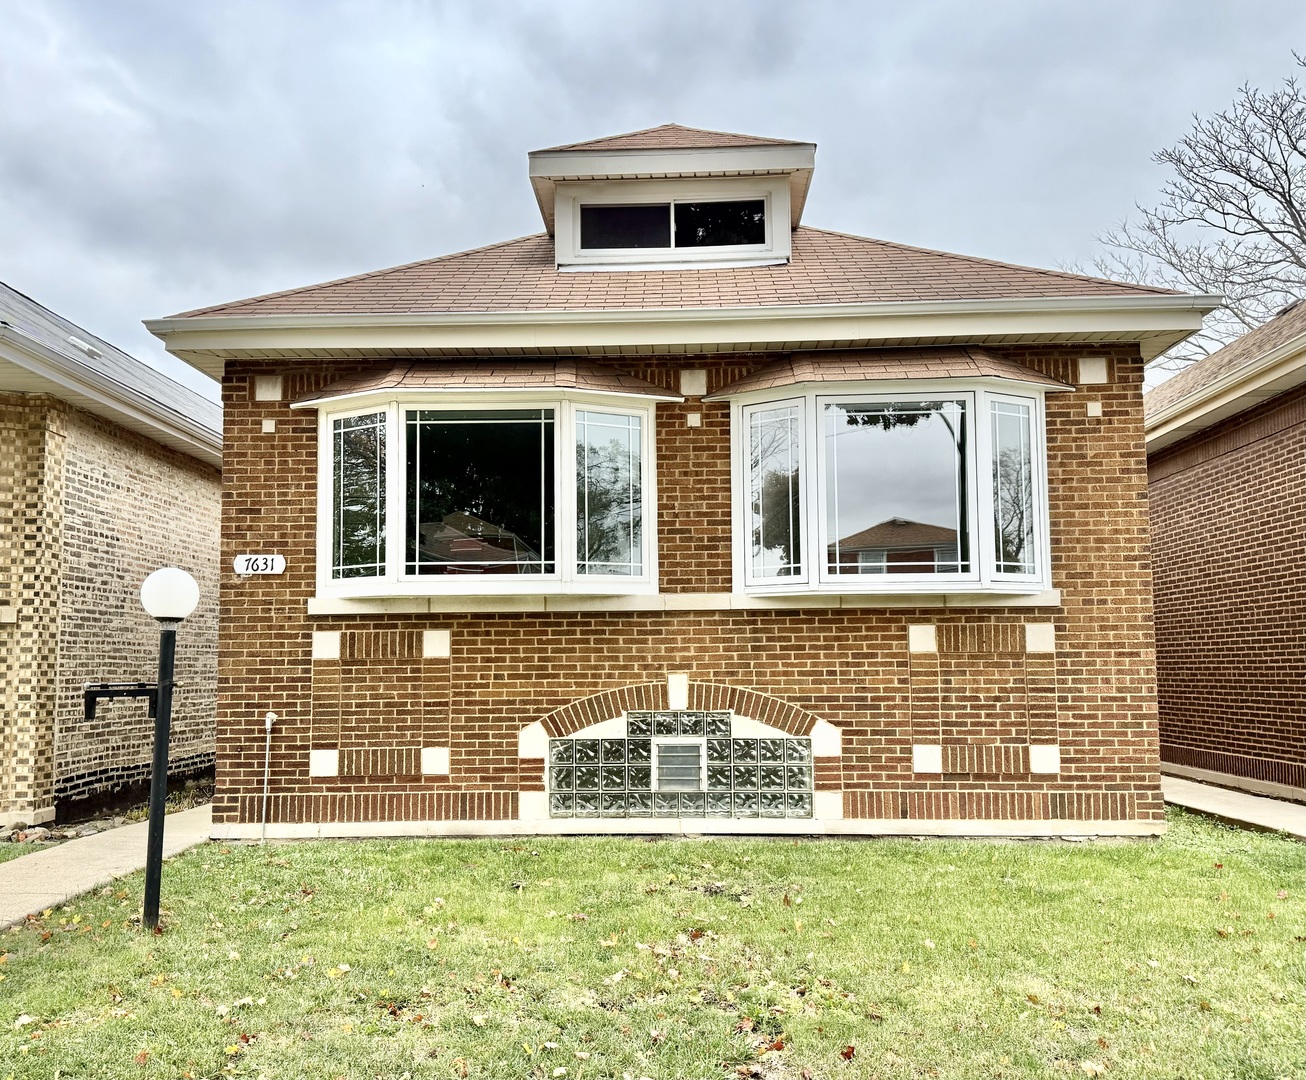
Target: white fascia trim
(1046, 830)
(119, 400)
(1273, 373)
(532, 393)
(710, 327)
(694, 161)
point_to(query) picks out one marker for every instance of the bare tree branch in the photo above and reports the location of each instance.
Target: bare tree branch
(1232, 217)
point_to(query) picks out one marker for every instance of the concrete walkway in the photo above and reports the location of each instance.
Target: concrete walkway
(1236, 806)
(53, 875)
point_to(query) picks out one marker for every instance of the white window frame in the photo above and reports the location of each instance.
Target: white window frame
(570, 197)
(566, 580)
(982, 577)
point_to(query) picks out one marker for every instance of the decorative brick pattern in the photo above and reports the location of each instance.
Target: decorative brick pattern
(988, 758)
(1228, 510)
(87, 510)
(381, 761)
(786, 667)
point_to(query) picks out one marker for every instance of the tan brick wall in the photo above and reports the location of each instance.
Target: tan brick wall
(31, 476)
(1228, 510)
(130, 507)
(850, 667)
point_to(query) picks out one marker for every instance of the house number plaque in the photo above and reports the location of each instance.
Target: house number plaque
(259, 564)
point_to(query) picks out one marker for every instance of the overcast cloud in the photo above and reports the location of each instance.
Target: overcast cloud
(159, 156)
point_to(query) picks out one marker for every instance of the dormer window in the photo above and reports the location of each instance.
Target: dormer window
(677, 224)
(674, 224)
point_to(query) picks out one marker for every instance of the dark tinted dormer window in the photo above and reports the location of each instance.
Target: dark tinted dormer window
(696, 224)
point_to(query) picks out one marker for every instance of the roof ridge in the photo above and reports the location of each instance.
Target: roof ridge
(979, 259)
(763, 140)
(368, 275)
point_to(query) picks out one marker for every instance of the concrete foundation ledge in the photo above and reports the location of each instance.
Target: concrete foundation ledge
(690, 827)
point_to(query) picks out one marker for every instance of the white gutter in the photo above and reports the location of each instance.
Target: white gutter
(120, 402)
(1272, 373)
(1160, 320)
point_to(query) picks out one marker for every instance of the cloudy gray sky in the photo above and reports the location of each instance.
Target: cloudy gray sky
(157, 156)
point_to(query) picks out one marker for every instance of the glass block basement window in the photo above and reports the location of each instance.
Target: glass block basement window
(680, 764)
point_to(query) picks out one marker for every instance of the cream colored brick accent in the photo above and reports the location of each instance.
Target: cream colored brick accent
(926, 758)
(922, 638)
(693, 382)
(436, 644)
(1040, 638)
(324, 763)
(326, 644)
(826, 740)
(1045, 758)
(827, 805)
(1092, 369)
(694, 419)
(677, 691)
(1093, 408)
(268, 388)
(269, 426)
(533, 741)
(435, 760)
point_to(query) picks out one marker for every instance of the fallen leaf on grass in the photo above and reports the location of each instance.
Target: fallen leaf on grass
(1092, 1068)
(142, 1057)
(847, 1052)
(479, 1020)
(460, 1067)
(23, 1020)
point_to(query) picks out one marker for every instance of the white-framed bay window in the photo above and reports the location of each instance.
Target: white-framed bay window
(891, 487)
(486, 493)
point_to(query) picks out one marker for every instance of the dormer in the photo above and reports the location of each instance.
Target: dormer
(672, 198)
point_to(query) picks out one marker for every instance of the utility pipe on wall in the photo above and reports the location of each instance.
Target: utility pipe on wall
(268, 721)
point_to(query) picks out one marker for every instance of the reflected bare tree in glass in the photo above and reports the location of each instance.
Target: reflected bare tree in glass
(359, 526)
(609, 509)
(1013, 498)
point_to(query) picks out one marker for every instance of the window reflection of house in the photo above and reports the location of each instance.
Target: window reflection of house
(462, 543)
(896, 546)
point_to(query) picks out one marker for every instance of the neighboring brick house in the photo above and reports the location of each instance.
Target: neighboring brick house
(547, 511)
(108, 470)
(1226, 447)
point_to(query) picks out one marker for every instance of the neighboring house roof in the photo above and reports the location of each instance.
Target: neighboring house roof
(826, 268)
(896, 533)
(529, 374)
(949, 362)
(1261, 364)
(41, 352)
(671, 137)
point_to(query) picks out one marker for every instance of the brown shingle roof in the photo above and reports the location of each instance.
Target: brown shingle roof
(1285, 326)
(825, 268)
(490, 375)
(897, 532)
(949, 362)
(670, 137)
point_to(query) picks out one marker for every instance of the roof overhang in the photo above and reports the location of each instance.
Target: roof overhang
(29, 366)
(1154, 323)
(548, 168)
(1273, 373)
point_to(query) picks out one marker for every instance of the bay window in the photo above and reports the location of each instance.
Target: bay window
(901, 489)
(476, 496)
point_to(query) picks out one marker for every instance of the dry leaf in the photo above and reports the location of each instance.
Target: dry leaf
(479, 1020)
(142, 1057)
(847, 1052)
(1092, 1068)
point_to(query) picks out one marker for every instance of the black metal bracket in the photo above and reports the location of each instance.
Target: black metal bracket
(96, 690)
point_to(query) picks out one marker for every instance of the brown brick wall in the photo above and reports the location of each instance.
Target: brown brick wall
(1228, 510)
(850, 667)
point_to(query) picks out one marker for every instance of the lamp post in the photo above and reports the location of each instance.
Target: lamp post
(169, 595)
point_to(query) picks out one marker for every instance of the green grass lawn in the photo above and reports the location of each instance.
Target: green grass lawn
(678, 958)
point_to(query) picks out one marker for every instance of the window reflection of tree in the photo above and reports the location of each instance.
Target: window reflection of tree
(609, 507)
(360, 494)
(1013, 496)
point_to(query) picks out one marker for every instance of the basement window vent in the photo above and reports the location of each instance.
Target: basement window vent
(680, 764)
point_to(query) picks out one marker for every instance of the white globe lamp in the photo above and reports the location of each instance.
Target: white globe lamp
(170, 594)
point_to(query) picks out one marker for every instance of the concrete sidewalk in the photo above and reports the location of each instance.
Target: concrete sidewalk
(1236, 806)
(53, 875)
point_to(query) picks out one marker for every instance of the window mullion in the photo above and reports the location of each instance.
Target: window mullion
(396, 492)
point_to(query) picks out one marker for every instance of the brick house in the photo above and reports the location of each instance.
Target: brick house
(108, 470)
(548, 511)
(1226, 457)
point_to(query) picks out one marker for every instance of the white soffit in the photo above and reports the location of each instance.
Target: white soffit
(1154, 322)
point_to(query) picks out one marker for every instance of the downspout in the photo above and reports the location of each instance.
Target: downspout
(268, 721)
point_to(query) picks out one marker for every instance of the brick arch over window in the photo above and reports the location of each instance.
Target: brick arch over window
(765, 708)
